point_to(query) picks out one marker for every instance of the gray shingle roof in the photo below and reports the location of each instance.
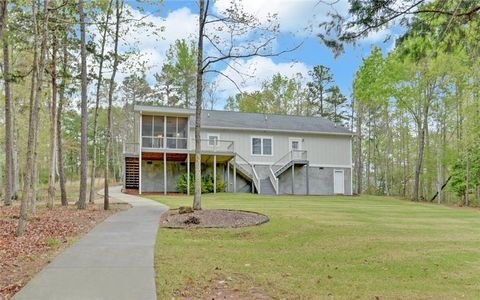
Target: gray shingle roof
(255, 121)
(260, 121)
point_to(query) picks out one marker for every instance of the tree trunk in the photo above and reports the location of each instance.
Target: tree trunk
(106, 201)
(37, 78)
(197, 199)
(421, 148)
(97, 104)
(53, 126)
(8, 105)
(81, 204)
(61, 101)
(15, 169)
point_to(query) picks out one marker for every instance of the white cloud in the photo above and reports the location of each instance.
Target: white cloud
(254, 71)
(301, 17)
(153, 40)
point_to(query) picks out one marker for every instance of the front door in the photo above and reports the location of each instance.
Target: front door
(338, 182)
(295, 144)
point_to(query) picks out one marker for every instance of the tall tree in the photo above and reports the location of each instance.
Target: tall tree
(118, 9)
(53, 125)
(178, 73)
(81, 204)
(318, 89)
(36, 91)
(61, 102)
(245, 37)
(97, 101)
(8, 105)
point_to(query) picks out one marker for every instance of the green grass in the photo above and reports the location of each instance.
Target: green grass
(349, 247)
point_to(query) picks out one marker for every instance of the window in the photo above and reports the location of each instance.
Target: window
(295, 145)
(262, 146)
(156, 135)
(213, 139)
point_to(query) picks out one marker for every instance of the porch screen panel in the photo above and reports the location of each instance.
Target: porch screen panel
(147, 131)
(171, 132)
(182, 133)
(158, 131)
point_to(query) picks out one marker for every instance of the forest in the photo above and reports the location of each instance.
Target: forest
(65, 116)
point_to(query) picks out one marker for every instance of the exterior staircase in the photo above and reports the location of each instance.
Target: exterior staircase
(266, 187)
(247, 171)
(292, 158)
(131, 172)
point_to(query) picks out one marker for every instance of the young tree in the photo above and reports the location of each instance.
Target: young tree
(53, 125)
(36, 91)
(8, 105)
(118, 13)
(336, 103)
(178, 73)
(61, 101)
(318, 89)
(81, 204)
(101, 58)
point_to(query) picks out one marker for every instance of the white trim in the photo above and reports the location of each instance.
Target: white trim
(279, 130)
(262, 163)
(295, 139)
(330, 166)
(343, 183)
(261, 137)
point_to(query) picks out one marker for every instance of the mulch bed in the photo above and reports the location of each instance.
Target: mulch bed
(47, 233)
(211, 218)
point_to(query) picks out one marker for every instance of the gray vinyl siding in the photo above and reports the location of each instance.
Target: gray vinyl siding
(322, 150)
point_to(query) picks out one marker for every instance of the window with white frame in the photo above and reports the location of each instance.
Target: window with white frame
(262, 146)
(213, 139)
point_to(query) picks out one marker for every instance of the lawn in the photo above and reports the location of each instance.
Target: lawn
(324, 248)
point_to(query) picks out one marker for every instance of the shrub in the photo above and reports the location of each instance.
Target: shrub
(185, 210)
(207, 183)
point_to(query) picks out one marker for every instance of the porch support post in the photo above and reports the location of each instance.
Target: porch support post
(140, 142)
(228, 176)
(308, 179)
(293, 179)
(214, 174)
(235, 175)
(164, 173)
(188, 173)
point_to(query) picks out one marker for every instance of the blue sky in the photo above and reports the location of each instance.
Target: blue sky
(298, 21)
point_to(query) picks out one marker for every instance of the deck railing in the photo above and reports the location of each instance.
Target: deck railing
(293, 155)
(290, 156)
(207, 146)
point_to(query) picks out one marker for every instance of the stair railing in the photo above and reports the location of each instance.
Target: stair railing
(248, 168)
(273, 179)
(282, 162)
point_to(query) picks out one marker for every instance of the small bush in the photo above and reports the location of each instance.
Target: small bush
(207, 183)
(52, 242)
(185, 210)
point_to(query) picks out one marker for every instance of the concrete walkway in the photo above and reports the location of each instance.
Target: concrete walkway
(113, 261)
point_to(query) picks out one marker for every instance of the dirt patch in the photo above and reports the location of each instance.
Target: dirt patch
(212, 218)
(47, 233)
(234, 286)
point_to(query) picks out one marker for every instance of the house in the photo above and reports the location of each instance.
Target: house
(250, 152)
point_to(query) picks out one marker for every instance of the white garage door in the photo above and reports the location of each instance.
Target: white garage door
(338, 182)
